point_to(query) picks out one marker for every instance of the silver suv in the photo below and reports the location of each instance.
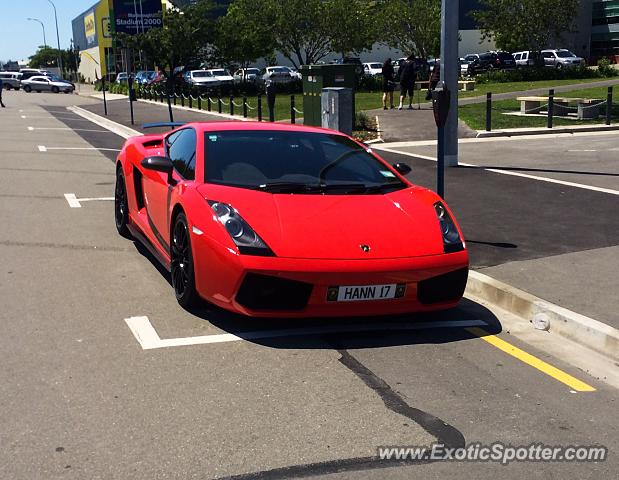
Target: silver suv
(561, 59)
(11, 80)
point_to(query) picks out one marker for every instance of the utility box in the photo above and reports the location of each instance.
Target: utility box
(317, 77)
(337, 109)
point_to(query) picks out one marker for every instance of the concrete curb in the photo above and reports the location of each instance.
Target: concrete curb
(571, 325)
(110, 125)
(513, 132)
(195, 110)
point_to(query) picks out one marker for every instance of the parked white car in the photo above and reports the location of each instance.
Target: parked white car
(524, 59)
(561, 58)
(222, 75)
(46, 84)
(373, 68)
(280, 74)
(201, 79)
(251, 75)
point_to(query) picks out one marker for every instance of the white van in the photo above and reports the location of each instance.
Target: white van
(11, 80)
(524, 59)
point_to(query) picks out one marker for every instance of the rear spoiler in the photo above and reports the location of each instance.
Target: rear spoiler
(163, 124)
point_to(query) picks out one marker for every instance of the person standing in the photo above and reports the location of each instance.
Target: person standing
(388, 83)
(408, 76)
(1, 88)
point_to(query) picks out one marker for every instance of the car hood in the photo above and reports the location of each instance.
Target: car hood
(396, 225)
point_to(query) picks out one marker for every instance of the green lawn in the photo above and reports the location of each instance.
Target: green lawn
(482, 89)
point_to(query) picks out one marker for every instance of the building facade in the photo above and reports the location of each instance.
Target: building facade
(605, 29)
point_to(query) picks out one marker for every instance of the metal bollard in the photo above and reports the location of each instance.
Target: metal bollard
(231, 105)
(259, 107)
(208, 101)
(609, 106)
(219, 105)
(488, 111)
(174, 98)
(292, 112)
(182, 100)
(190, 101)
(245, 107)
(199, 102)
(551, 104)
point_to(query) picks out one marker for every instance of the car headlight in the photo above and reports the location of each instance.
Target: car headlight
(451, 237)
(245, 238)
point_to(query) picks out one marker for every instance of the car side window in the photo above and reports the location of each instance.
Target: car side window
(181, 148)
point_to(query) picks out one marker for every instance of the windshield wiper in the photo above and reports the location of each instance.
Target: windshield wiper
(352, 188)
(288, 187)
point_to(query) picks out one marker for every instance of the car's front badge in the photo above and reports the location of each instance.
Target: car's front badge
(365, 248)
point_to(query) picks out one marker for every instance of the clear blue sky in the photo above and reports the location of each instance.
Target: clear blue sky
(20, 38)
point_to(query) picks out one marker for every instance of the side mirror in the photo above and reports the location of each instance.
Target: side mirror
(402, 168)
(159, 164)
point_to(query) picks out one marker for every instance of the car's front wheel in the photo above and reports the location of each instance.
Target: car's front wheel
(27, 88)
(183, 278)
(121, 207)
(55, 89)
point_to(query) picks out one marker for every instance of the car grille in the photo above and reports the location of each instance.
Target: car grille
(443, 288)
(264, 292)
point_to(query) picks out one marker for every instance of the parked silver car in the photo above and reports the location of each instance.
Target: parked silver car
(561, 58)
(279, 74)
(251, 75)
(202, 79)
(46, 84)
(11, 80)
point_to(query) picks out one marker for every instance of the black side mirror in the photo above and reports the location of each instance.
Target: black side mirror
(159, 164)
(402, 168)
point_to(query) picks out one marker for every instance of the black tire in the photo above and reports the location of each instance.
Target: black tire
(121, 207)
(183, 278)
(27, 88)
(55, 89)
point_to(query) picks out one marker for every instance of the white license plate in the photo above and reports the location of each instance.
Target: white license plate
(353, 293)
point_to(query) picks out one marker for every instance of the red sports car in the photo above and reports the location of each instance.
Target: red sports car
(284, 220)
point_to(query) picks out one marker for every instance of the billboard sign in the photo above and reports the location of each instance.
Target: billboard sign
(136, 16)
(90, 29)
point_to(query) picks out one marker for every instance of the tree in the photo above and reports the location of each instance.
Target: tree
(353, 25)
(241, 34)
(183, 39)
(45, 57)
(526, 24)
(302, 29)
(412, 26)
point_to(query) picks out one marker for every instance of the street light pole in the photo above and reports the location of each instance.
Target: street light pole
(42, 26)
(57, 37)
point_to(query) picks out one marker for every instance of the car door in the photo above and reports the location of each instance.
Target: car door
(180, 147)
(549, 59)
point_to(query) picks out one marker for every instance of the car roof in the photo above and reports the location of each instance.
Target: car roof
(238, 125)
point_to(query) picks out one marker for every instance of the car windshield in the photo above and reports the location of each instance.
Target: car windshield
(294, 162)
(279, 70)
(376, 65)
(219, 72)
(252, 71)
(201, 74)
(565, 54)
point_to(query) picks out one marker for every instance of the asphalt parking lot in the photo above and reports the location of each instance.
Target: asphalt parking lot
(105, 376)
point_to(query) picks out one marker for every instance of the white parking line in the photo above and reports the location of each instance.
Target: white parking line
(75, 202)
(149, 339)
(31, 129)
(73, 119)
(43, 148)
(506, 172)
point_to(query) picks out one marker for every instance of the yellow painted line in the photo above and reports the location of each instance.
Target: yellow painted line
(529, 359)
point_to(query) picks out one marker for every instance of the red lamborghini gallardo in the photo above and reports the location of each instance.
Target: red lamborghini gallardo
(283, 220)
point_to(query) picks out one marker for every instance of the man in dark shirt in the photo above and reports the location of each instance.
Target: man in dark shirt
(408, 76)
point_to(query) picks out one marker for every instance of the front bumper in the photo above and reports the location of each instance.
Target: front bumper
(252, 285)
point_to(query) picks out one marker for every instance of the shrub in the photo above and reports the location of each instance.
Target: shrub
(370, 83)
(534, 74)
(604, 68)
(363, 122)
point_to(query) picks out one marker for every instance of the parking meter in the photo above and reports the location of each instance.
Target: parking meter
(440, 104)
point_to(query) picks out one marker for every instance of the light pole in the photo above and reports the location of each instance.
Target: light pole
(57, 37)
(42, 26)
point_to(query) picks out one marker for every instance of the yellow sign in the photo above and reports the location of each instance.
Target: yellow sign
(89, 27)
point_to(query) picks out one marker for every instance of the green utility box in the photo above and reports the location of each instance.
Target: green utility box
(317, 77)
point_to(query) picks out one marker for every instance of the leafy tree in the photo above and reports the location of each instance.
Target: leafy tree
(184, 39)
(526, 24)
(412, 26)
(242, 34)
(45, 57)
(302, 29)
(353, 25)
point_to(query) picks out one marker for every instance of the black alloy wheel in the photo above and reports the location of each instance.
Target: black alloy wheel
(183, 279)
(121, 208)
